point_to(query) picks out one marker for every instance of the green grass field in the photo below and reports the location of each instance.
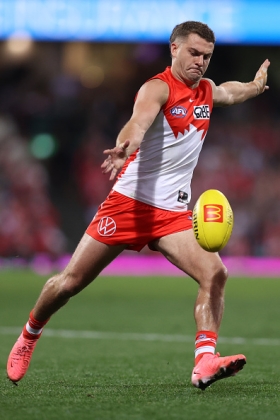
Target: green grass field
(123, 349)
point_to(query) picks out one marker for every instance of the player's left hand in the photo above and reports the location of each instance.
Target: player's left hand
(261, 77)
(115, 159)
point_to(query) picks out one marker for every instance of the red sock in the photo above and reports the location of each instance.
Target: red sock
(205, 342)
(33, 328)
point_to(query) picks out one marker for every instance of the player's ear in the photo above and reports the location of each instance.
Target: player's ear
(174, 48)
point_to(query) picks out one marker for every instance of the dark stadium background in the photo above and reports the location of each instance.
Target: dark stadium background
(63, 102)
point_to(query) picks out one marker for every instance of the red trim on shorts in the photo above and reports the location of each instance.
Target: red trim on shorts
(123, 220)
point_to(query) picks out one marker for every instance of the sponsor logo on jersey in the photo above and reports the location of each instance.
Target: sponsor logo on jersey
(201, 112)
(182, 197)
(107, 226)
(178, 111)
(213, 213)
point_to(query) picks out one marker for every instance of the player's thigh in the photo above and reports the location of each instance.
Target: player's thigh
(89, 259)
(182, 250)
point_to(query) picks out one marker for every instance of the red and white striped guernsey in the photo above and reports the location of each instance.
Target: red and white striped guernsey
(159, 173)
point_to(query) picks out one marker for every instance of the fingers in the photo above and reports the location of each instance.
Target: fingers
(126, 144)
(107, 151)
(115, 159)
(122, 146)
(266, 64)
(118, 150)
(113, 174)
(261, 77)
(113, 171)
(106, 162)
(263, 68)
(112, 164)
(108, 166)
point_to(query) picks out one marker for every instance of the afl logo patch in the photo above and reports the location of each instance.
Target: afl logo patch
(107, 226)
(178, 111)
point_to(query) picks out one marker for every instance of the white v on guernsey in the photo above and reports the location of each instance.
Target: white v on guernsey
(159, 173)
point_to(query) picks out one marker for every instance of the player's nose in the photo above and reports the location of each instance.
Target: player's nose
(199, 60)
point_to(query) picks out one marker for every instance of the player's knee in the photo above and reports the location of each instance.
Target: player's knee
(72, 284)
(220, 276)
(66, 284)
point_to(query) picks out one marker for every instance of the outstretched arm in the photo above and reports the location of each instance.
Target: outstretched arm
(149, 101)
(230, 93)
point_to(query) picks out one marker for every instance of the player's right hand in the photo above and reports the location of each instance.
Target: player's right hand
(115, 160)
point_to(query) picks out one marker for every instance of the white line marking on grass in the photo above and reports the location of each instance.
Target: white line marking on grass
(102, 335)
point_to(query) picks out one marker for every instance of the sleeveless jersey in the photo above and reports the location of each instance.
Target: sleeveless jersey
(160, 171)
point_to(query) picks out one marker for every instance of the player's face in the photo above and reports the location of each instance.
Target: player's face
(190, 58)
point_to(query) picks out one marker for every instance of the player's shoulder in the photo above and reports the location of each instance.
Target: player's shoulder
(207, 81)
(153, 91)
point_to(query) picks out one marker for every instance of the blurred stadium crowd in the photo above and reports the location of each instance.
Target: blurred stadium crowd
(62, 104)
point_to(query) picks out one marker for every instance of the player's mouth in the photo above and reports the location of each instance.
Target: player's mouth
(196, 70)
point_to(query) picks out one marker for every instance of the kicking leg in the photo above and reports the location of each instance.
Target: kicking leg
(89, 259)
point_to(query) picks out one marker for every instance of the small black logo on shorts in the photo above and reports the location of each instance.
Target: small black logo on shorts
(182, 197)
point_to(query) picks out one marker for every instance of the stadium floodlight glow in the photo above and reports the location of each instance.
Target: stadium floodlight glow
(19, 44)
(43, 146)
(233, 21)
(92, 76)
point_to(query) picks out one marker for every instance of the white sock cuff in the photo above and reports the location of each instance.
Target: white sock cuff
(204, 349)
(33, 330)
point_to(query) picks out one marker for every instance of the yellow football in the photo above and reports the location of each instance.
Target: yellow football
(212, 220)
